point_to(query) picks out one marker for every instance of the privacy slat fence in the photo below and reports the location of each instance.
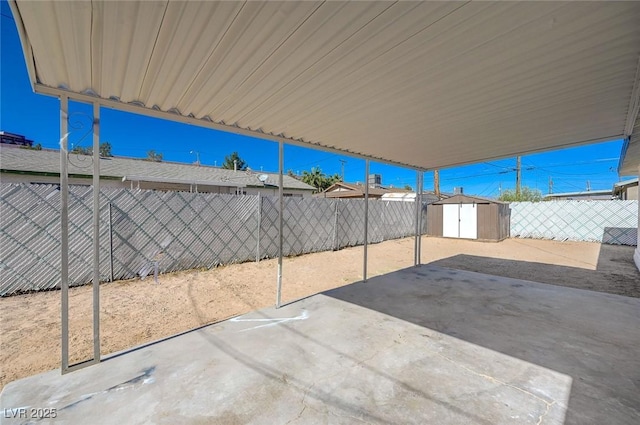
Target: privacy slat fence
(179, 230)
(176, 230)
(611, 222)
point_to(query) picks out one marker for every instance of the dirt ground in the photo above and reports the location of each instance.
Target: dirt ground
(135, 312)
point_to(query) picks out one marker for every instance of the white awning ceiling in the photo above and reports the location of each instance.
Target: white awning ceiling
(423, 84)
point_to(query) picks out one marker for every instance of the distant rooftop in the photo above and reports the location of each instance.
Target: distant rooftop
(630, 182)
(47, 161)
(582, 194)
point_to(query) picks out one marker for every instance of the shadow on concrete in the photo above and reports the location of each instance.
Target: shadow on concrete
(591, 337)
(615, 272)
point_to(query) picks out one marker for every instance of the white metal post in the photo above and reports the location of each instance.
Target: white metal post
(280, 221)
(415, 243)
(419, 200)
(110, 243)
(96, 232)
(258, 228)
(64, 232)
(366, 217)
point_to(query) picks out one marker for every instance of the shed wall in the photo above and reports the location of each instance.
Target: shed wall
(493, 221)
(434, 220)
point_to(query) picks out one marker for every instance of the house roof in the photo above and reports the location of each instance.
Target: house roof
(17, 160)
(427, 197)
(579, 194)
(355, 190)
(423, 84)
(630, 182)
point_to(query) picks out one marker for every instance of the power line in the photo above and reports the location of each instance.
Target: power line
(498, 166)
(471, 176)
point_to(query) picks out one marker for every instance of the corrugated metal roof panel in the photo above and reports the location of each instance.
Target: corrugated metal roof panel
(426, 84)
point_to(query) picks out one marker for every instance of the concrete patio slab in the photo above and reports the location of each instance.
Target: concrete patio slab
(422, 345)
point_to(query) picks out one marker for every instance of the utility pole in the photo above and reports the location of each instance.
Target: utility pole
(588, 186)
(342, 162)
(436, 183)
(518, 176)
(197, 156)
(550, 185)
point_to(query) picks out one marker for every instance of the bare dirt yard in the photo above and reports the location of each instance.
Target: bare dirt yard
(135, 312)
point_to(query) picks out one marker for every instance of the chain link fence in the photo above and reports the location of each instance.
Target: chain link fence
(178, 230)
(174, 230)
(611, 222)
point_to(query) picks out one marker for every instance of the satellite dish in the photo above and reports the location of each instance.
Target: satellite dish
(263, 177)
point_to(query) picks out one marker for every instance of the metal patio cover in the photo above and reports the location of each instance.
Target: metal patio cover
(423, 84)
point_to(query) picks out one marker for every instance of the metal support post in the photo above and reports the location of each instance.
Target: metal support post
(96, 232)
(64, 231)
(419, 200)
(110, 244)
(64, 237)
(280, 221)
(415, 243)
(258, 228)
(335, 226)
(366, 218)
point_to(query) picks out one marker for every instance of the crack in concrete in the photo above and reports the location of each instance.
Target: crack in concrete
(545, 412)
(498, 381)
(326, 378)
(349, 417)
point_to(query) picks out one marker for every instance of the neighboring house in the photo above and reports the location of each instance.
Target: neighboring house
(626, 190)
(32, 166)
(14, 139)
(351, 191)
(589, 195)
(427, 197)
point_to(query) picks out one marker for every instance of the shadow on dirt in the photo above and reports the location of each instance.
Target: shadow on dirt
(615, 272)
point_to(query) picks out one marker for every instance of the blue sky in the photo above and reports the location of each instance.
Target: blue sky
(37, 117)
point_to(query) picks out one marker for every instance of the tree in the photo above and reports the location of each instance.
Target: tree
(81, 150)
(318, 179)
(104, 149)
(407, 187)
(526, 195)
(36, 147)
(154, 156)
(233, 162)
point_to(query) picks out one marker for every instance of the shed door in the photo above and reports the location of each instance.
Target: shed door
(469, 221)
(450, 220)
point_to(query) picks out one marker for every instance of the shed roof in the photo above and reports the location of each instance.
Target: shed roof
(466, 199)
(344, 190)
(14, 159)
(423, 84)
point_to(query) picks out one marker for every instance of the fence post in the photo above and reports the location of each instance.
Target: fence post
(335, 227)
(258, 228)
(110, 243)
